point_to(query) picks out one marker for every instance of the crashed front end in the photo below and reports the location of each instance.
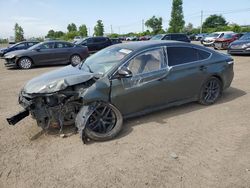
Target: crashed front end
(58, 108)
(55, 98)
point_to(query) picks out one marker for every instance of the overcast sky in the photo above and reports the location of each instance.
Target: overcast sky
(38, 16)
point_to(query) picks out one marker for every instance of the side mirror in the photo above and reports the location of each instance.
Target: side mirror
(124, 72)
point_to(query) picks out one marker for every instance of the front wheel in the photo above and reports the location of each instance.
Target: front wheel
(103, 121)
(25, 63)
(210, 91)
(75, 59)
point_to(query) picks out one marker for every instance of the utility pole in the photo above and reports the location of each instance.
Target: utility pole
(142, 25)
(89, 32)
(201, 21)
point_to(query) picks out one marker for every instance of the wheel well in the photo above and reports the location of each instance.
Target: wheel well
(218, 77)
(76, 54)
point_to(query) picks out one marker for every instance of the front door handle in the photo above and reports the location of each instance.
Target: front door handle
(203, 68)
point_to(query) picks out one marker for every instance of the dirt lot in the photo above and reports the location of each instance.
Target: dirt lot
(211, 144)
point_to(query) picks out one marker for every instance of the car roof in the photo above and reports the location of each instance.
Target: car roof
(147, 44)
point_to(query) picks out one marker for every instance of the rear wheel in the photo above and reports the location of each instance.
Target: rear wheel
(210, 91)
(75, 59)
(25, 63)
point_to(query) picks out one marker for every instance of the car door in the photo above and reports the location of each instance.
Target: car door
(142, 90)
(188, 71)
(44, 54)
(61, 52)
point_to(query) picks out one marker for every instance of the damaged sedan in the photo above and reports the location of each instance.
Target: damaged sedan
(123, 81)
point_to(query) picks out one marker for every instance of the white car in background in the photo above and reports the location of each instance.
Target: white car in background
(209, 40)
(77, 38)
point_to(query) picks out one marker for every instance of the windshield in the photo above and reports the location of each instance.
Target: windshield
(213, 35)
(157, 37)
(104, 60)
(245, 37)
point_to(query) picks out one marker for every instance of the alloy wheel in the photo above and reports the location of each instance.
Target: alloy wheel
(102, 120)
(25, 63)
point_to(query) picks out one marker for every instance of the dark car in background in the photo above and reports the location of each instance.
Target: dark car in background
(122, 81)
(241, 46)
(46, 53)
(18, 46)
(223, 42)
(116, 40)
(95, 44)
(172, 36)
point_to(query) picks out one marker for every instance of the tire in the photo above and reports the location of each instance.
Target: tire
(25, 63)
(75, 59)
(211, 91)
(103, 121)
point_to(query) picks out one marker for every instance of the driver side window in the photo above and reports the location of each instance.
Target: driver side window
(146, 62)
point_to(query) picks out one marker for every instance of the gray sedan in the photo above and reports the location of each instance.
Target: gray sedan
(46, 53)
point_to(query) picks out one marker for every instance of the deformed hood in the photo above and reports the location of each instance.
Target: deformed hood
(57, 80)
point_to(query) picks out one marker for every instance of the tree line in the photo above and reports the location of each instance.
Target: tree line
(154, 24)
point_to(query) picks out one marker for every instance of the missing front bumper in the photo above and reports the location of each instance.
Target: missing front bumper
(18, 117)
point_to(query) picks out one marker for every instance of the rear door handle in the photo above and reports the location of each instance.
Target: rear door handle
(203, 68)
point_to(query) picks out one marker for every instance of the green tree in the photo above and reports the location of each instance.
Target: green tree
(51, 34)
(72, 27)
(155, 24)
(236, 28)
(177, 22)
(99, 28)
(214, 21)
(54, 34)
(83, 31)
(19, 33)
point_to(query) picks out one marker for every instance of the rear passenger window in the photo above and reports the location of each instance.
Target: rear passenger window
(203, 54)
(59, 45)
(68, 45)
(181, 55)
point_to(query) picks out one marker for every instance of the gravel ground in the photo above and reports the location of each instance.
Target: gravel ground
(186, 146)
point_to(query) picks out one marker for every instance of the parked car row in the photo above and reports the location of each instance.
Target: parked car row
(46, 53)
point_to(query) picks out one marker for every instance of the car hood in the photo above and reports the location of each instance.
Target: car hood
(15, 53)
(57, 80)
(240, 42)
